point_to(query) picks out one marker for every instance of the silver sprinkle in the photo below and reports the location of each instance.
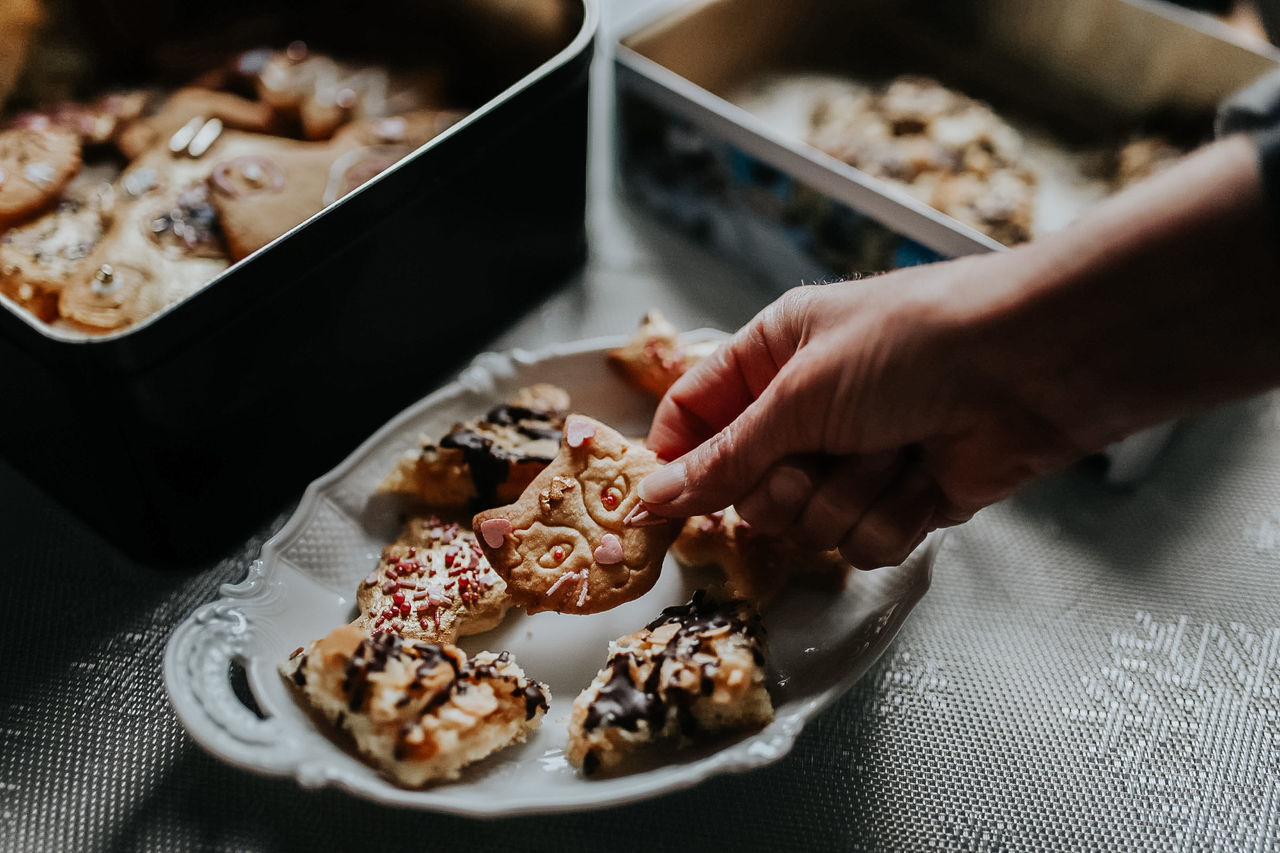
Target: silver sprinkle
(182, 136)
(40, 174)
(208, 134)
(104, 279)
(141, 181)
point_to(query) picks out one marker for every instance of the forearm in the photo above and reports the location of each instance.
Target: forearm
(1163, 300)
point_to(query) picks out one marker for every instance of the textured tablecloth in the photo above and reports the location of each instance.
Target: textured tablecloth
(1093, 669)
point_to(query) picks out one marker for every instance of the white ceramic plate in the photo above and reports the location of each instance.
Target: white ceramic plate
(304, 585)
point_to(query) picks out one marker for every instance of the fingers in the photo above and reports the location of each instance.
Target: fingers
(773, 505)
(844, 497)
(876, 508)
(896, 522)
(723, 385)
(719, 471)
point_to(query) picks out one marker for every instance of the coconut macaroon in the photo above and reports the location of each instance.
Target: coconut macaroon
(418, 711)
(695, 671)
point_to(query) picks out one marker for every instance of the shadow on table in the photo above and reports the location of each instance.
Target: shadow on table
(1133, 527)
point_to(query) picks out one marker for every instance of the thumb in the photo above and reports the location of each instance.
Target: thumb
(725, 467)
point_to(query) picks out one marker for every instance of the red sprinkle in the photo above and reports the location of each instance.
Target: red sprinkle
(557, 553)
(609, 499)
(398, 598)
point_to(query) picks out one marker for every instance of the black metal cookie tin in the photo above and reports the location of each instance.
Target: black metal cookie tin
(177, 436)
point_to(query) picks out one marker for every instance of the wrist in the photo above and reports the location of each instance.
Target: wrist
(1165, 300)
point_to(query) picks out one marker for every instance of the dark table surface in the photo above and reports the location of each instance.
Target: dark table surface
(1094, 668)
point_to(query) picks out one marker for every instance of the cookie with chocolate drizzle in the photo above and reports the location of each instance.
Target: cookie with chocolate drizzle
(433, 583)
(579, 540)
(695, 671)
(485, 462)
(418, 711)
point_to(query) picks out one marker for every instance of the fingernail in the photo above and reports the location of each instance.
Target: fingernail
(663, 485)
(641, 517)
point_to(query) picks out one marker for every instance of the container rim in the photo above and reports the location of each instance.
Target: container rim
(580, 42)
(889, 204)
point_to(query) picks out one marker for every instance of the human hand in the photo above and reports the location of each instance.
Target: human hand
(861, 415)
(849, 415)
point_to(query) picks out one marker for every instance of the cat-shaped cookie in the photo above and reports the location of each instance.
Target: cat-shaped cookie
(578, 540)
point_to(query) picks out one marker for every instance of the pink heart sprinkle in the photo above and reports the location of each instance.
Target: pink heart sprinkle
(494, 531)
(609, 551)
(577, 432)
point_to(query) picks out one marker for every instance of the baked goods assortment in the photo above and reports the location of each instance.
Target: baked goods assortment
(955, 153)
(948, 150)
(114, 208)
(574, 539)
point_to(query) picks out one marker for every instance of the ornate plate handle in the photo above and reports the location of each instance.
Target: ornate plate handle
(197, 666)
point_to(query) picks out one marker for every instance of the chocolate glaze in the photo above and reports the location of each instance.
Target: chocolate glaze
(622, 703)
(534, 699)
(372, 655)
(489, 464)
(533, 423)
